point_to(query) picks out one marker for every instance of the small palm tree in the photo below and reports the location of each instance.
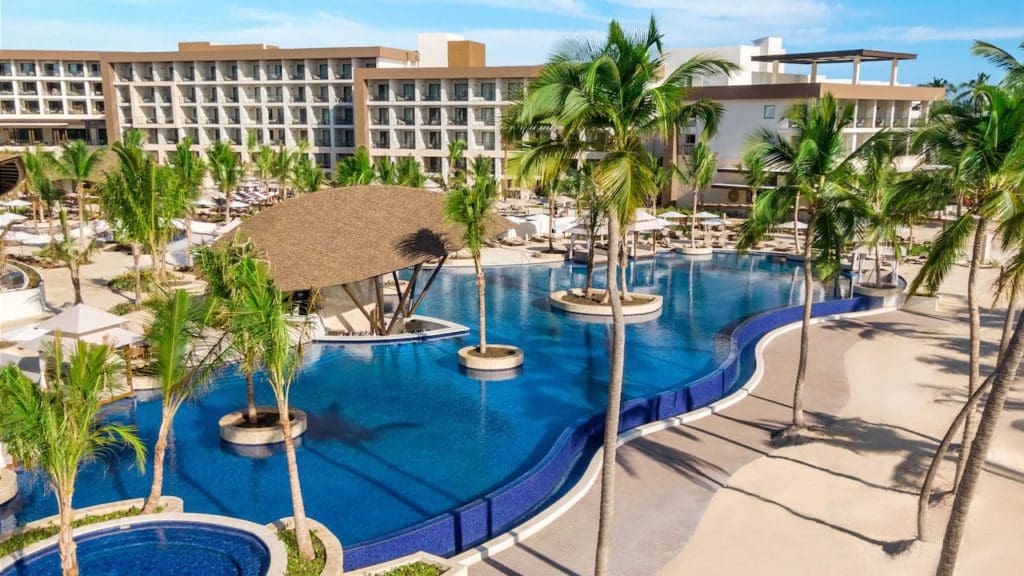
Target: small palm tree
(188, 170)
(183, 363)
(281, 169)
(755, 175)
(261, 312)
(387, 172)
(819, 170)
(78, 164)
(263, 166)
(72, 254)
(38, 165)
(410, 173)
(57, 428)
(225, 171)
(698, 171)
(877, 181)
(355, 170)
(470, 206)
(306, 175)
(456, 151)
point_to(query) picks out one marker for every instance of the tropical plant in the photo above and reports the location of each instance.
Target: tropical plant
(281, 169)
(470, 207)
(697, 172)
(306, 175)
(590, 210)
(619, 94)
(77, 163)
(1002, 59)
(183, 364)
(187, 170)
(410, 173)
(225, 171)
(263, 166)
(820, 172)
(261, 311)
(387, 174)
(57, 428)
(72, 254)
(38, 164)
(979, 149)
(355, 170)
(456, 156)
(755, 176)
(877, 181)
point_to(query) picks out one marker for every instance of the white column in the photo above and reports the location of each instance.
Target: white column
(775, 71)
(893, 71)
(814, 72)
(856, 69)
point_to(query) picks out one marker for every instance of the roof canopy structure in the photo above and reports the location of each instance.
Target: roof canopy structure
(345, 235)
(836, 56)
(81, 319)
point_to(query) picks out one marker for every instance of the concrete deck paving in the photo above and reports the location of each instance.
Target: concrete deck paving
(666, 481)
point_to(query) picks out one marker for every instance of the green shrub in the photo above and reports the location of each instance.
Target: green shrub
(126, 282)
(414, 569)
(296, 565)
(30, 537)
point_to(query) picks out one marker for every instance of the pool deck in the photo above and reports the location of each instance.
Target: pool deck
(747, 508)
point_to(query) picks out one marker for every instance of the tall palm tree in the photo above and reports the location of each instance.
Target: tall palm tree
(183, 364)
(38, 165)
(261, 311)
(306, 175)
(470, 207)
(263, 166)
(225, 171)
(819, 171)
(698, 171)
(1002, 59)
(979, 144)
(755, 176)
(620, 93)
(72, 254)
(188, 170)
(281, 169)
(355, 170)
(877, 181)
(57, 428)
(78, 164)
(456, 154)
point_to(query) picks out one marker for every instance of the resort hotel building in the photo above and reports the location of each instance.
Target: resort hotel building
(395, 102)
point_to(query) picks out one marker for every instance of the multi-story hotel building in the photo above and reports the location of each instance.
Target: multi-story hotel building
(395, 102)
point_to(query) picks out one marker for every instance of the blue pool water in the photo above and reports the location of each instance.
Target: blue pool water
(157, 549)
(397, 434)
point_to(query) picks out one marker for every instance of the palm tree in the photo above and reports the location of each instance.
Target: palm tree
(281, 169)
(979, 145)
(387, 174)
(73, 254)
(470, 207)
(188, 170)
(456, 150)
(261, 311)
(77, 164)
(263, 166)
(225, 171)
(819, 171)
(620, 93)
(698, 171)
(877, 181)
(306, 175)
(57, 428)
(355, 170)
(38, 163)
(1002, 59)
(181, 365)
(410, 173)
(755, 176)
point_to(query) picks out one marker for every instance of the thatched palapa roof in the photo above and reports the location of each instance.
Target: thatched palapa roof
(344, 235)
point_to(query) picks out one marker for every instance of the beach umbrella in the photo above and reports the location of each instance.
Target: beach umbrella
(704, 215)
(790, 225)
(16, 203)
(673, 215)
(6, 219)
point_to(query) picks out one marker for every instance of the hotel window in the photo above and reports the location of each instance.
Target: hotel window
(434, 91)
(276, 72)
(382, 92)
(95, 69)
(461, 91)
(27, 68)
(75, 69)
(769, 112)
(487, 116)
(346, 71)
(255, 71)
(459, 135)
(50, 69)
(322, 71)
(408, 139)
(408, 116)
(487, 91)
(5, 69)
(460, 117)
(434, 116)
(487, 139)
(234, 72)
(325, 116)
(408, 92)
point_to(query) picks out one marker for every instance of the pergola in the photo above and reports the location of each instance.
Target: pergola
(354, 238)
(855, 56)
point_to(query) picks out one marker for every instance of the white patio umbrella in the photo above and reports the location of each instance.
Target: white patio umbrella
(705, 215)
(673, 215)
(16, 203)
(7, 218)
(205, 203)
(790, 225)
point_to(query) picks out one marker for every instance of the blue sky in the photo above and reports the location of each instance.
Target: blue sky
(525, 31)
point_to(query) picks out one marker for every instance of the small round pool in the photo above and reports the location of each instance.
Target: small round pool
(156, 548)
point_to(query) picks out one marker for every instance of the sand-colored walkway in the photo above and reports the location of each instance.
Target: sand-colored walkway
(714, 498)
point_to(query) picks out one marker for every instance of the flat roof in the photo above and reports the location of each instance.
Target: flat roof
(834, 56)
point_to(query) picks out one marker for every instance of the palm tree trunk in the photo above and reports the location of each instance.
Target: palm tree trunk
(693, 221)
(136, 261)
(153, 501)
(481, 302)
(611, 421)
(188, 242)
(796, 229)
(302, 536)
(82, 217)
(76, 282)
(924, 498)
(551, 220)
(1005, 374)
(974, 313)
(588, 286)
(227, 207)
(878, 266)
(1012, 308)
(801, 371)
(623, 265)
(65, 541)
(250, 397)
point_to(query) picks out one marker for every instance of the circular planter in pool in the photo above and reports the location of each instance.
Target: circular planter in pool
(695, 250)
(234, 430)
(886, 294)
(570, 301)
(8, 485)
(499, 357)
(160, 544)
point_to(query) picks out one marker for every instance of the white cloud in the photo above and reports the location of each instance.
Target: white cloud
(764, 11)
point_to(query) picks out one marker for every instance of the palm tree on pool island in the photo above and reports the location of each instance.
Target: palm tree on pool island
(56, 428)
(820, 172)
(621, 90)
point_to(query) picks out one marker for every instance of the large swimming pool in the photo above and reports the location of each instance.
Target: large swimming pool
(397, 434)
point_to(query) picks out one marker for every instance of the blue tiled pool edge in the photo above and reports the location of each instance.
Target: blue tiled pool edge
(503, 508)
